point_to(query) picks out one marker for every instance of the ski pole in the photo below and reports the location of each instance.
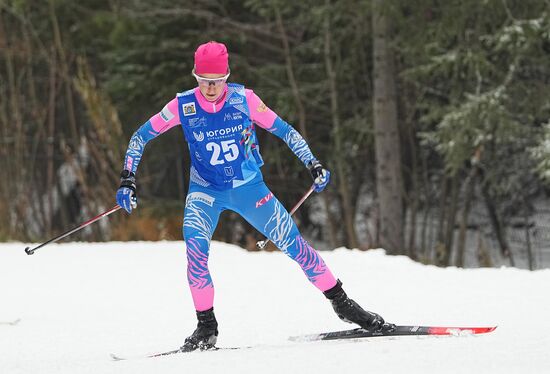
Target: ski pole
(262, 243)
(30, 251)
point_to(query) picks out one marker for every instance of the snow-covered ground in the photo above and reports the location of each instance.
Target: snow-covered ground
(79, 302)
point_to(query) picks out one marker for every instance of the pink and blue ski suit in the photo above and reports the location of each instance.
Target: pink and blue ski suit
(225, 174)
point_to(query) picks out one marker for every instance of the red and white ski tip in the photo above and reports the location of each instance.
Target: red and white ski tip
(459, 331)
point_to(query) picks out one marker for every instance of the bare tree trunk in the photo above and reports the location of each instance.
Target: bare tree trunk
(331, 222)
(483, 256)
(463, 231)
(427, 208)
(440, 236)
(413, 211)
(388, 148)
(451, 219)
(106, 143)
(498, 228)
(5, 204)
(51, 144)
(348, 209)
(530, 258)
(290, 72)
(425, 243)
(13, 130)
(65, 70)
(414, 200)
(38, 112)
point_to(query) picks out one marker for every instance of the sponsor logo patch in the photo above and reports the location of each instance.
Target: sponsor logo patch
(264, 200)
(234, 116)
(236, 100)
(197, 122)
(166, 114)
(189, 109)
(228, 171)
(199, 197)
(224, 132)
(261, 108)
(198, 137)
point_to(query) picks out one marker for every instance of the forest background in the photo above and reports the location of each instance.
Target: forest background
(433, 117)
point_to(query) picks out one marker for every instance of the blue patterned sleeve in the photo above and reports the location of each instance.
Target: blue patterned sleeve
(137, 146)
(293, 139)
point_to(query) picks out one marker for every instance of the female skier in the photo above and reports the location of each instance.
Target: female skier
(218, 120)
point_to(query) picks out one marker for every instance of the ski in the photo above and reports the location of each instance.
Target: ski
(171, 352)
(397, 331)
(358, 333)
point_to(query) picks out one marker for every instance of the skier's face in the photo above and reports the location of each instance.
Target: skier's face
(211, 85)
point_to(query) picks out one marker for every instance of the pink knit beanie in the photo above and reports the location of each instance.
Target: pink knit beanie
(211, 58)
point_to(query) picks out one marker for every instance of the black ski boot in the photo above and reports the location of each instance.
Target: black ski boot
(351, 312)
(206, 333)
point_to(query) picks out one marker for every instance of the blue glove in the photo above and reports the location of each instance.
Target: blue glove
(126, 193)
(320, 175)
